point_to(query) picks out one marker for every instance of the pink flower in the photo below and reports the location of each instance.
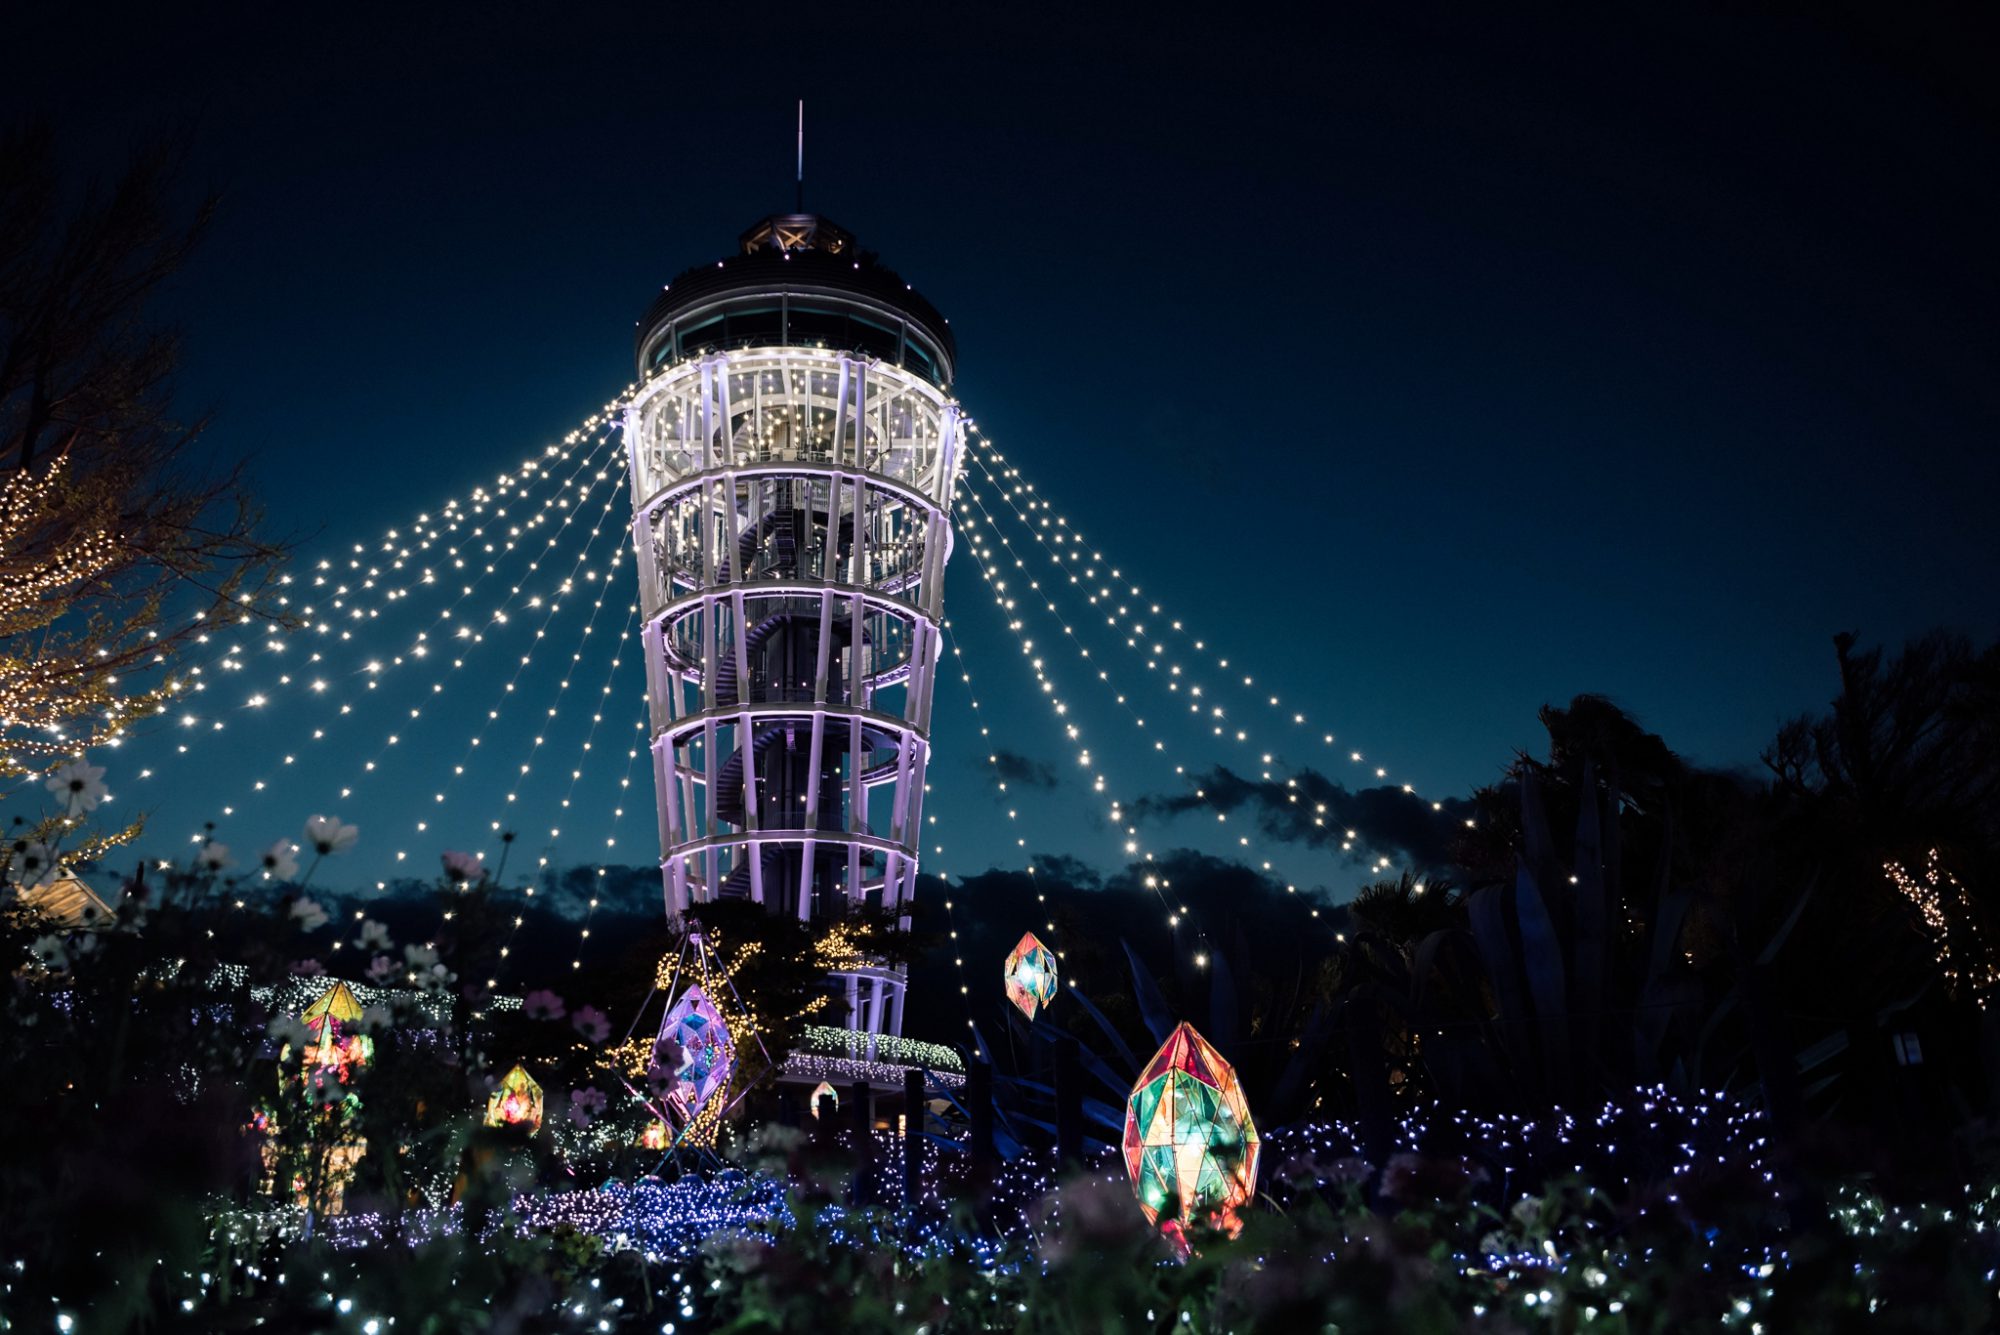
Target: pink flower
(463, 868)
(593, 1024)
(308, 968)
(381, 969)
(585, 1104)
(542, 1005)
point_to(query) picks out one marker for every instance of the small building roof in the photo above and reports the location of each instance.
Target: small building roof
(68, 902)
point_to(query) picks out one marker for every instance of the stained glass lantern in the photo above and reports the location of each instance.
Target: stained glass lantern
(1190, 1146)
(654, 1137)
(695, 1030)
(515, 1101)
(335, 1039)
(1031, 975)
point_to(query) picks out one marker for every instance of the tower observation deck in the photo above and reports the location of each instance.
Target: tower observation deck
(793, 452)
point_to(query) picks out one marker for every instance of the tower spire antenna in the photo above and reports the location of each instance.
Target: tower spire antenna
(799, 199)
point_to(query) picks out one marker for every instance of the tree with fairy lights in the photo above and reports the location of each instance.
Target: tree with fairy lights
(117, 555)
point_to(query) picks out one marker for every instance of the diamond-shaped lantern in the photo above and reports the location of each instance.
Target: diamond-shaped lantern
(515, 1101)
(695, 1030)
(1190, 1145)
(1031, 975)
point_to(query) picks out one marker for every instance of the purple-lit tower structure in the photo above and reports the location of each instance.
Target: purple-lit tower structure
(793, 449)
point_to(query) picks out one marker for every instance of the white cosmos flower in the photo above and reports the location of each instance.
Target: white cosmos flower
(214, 855)
(79, 785)
(34, 864)
(281, 861)
(289, 1031)
(310, 915)
(49, 953)
(374, 936)
(327, 835)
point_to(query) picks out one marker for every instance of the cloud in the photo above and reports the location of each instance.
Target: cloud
(1314, 811)
(1024, 770)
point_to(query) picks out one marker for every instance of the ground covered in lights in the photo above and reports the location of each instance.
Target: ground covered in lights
(1654, 1214)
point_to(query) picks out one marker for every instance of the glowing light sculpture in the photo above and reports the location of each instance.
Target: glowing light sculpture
(332, 1022)
(822, 1090)
(794, 448)
(515, 1101)
(1190, 1146)
(1031, 975)
(695, 1029)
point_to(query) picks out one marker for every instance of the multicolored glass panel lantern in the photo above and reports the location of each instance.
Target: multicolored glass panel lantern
(1190, 1146)
(694, 1036)
(515, 1101)
(1031, 975)
(334, 1025)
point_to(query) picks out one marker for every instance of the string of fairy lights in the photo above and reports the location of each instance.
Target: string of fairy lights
(466, 642)
(611, 834)
(372, 670)
(970, 520)
(1950, 923)
(1067, 548)
(575, 776)
(525, 766)
(554, 605)
(974, 522)
(370, 585)
(1000, 787)
(461, 512)
(1072, 732)
(980, 512)
(469, 519)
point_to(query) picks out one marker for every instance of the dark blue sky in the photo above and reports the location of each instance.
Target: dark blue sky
(1435, 365)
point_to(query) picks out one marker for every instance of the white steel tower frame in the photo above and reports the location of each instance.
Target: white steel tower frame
(792, 524)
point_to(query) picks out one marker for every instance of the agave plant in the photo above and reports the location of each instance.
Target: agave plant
(1631, 953)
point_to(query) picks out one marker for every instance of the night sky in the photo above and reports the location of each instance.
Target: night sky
(1431, 366)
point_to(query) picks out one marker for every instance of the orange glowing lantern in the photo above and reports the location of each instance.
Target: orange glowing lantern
(336, 1042)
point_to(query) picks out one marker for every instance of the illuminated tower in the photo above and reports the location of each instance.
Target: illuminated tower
(793, 451)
